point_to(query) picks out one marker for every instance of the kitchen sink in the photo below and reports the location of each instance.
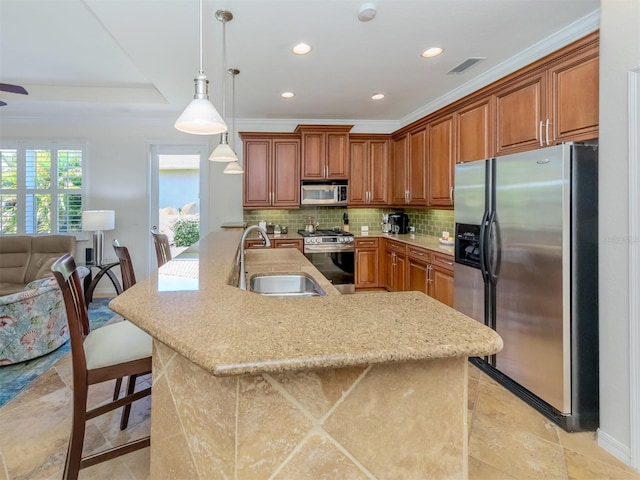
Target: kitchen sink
(285, 285)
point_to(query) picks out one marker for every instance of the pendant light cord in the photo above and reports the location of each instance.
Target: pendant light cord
(224, 69)
(233, 107)
(201, 69)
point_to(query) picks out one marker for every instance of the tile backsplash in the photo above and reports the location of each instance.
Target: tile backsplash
(426, 221)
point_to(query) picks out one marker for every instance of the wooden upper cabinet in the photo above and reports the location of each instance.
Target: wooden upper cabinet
(271, 170)
(520, 108)
(573, 103)
(369, 169)
(417, 181)
(399, 170)
(552, 105)
(441, 160)
(257, 172)
(325, 153)
(474, 132)
(286, 173)
(409, 184)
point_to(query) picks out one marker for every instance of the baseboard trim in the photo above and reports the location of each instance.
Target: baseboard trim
(613, 446)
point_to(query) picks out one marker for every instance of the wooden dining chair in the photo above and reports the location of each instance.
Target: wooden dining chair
(128, 280)
(113, 351)
(163, 249)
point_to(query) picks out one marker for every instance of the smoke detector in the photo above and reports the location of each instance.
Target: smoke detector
(367, 12)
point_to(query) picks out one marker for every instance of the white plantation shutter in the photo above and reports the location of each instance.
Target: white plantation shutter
(41, 189)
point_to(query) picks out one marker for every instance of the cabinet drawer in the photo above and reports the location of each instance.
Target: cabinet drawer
(442, 260)
(419, 253)
(254, 243)
(287, 243)
(397, 247)
(366, 243)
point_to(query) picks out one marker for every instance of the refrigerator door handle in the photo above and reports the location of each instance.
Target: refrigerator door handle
(483, 246)
(493, 267)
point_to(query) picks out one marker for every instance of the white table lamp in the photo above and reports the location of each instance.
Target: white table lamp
(96, 221)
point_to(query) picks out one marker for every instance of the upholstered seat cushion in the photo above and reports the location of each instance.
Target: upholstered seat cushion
(24, 258)
(132, 344)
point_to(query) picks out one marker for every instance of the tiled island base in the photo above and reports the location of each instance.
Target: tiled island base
(402, 420)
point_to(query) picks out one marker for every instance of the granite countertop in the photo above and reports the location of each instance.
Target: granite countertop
(426, 241)
(191, 305)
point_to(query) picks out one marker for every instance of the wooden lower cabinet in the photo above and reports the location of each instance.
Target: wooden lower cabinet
(395, 266)
(430, 273)
(442, 278)
(366, 263)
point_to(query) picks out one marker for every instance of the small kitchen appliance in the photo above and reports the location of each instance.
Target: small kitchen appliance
(399, 223)
(328, 194)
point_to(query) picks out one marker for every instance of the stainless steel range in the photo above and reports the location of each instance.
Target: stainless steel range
(332, 253)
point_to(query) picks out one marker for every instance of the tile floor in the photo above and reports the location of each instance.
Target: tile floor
(508, 439)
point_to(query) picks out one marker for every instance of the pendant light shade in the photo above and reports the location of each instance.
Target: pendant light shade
(201, 117)
(233, 168)
(223, 152)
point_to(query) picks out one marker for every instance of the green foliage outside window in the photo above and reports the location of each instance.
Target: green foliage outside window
(186, 232)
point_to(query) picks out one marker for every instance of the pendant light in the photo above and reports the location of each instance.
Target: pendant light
(201, 117)
(223, 152)
(233, 167)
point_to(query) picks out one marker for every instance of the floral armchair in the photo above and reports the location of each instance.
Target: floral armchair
(33, 322)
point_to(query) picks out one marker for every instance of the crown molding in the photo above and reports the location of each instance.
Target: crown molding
(561, 38)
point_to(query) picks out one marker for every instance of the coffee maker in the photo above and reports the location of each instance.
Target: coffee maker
(399, 223)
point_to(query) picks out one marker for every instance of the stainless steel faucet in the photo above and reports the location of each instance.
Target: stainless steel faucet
(242, 281)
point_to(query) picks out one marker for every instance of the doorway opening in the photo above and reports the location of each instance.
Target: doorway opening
(178, 208)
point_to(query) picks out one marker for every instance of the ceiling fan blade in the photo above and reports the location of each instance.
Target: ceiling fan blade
(2, 104)
(7, 87)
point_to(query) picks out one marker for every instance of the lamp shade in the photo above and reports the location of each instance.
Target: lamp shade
(233, 168)
(223, 152)
(201, 118)
(95, 220)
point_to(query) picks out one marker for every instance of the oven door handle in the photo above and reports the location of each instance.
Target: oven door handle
(328, 249)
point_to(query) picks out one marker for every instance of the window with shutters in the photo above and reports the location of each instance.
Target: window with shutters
(41, 189)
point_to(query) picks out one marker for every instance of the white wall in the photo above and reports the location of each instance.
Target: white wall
(117, 175)
(619, 53)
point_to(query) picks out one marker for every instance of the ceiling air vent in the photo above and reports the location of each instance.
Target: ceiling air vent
(465, 64)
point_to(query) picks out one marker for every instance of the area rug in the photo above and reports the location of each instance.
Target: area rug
(15, 378)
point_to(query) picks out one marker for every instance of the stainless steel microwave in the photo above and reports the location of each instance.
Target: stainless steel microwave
(327, 194)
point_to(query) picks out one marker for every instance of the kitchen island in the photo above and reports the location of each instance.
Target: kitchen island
(346, 386)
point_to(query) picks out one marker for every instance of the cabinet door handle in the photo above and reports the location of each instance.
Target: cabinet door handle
(429, 274)
(451, 194)
(541, 141)
(547, 131)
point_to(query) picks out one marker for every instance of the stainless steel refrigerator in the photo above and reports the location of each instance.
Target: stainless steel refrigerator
(526, 265)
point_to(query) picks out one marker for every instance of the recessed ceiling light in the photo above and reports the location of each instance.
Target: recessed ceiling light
(287, 94)
(377, 96)
(301, 49)
(432, 52)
